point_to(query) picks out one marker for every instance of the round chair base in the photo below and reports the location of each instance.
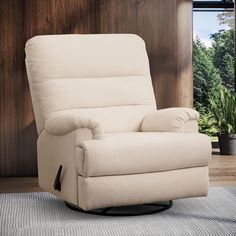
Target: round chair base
(134, 210)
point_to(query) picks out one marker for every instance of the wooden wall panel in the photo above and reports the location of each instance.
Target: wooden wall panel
(19, 21)
(166, 27)
(184, 78)
(18, 137)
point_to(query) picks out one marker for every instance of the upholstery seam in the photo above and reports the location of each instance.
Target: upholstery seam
(85, 162)
(78, 108)
(77, 184)
(93, 77)
(150, 172)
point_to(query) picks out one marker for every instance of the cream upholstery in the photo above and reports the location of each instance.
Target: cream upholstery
(136, 152)
(64, 124)
(72, 72)
(171, 120)
(121, 190)
(96, 116)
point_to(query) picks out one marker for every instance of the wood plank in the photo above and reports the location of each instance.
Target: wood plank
(184, 78)
(18, 151)
(19, 21)
(19, 185)
(223, 183)
(222, 170)
(165, 26)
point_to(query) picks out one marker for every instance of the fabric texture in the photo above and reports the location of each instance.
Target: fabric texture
(27, 214)
(62, 125)
(96, 116)
(87, 71)
(141, 152)
(123, 190)
(54, 151)
(125, 118)
(171, 120)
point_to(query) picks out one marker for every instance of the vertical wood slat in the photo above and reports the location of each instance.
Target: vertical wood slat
(15, 135)
(184, 53)
(166, 27)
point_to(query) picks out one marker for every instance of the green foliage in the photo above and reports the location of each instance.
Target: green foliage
(207, 123)
(214, 81)
(223, 57)
(206, 76)
(226, 18)
(224, 111)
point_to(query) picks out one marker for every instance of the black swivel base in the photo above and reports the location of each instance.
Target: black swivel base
(135, 210)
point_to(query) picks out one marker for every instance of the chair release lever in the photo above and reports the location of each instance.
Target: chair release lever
(57, 183)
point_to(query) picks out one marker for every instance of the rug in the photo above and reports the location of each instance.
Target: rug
(29, 214)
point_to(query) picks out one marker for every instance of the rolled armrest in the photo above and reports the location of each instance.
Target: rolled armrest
(62, 125)
(177, 119)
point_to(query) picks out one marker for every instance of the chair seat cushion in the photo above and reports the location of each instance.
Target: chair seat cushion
(141, 152)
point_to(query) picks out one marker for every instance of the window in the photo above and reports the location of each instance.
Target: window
(213, 55)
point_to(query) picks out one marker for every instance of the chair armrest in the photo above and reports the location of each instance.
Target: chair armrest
(178, 119)
(64, 124)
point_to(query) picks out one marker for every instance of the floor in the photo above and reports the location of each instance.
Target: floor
(222, 171)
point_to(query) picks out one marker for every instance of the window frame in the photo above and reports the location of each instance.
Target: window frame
(226, 5)
(218, 6)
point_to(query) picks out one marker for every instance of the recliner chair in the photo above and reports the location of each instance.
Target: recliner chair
(97, 120)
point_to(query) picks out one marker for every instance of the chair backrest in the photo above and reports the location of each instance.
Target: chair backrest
(104, 76)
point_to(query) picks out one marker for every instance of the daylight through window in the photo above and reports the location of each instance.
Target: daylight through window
(213, 56)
